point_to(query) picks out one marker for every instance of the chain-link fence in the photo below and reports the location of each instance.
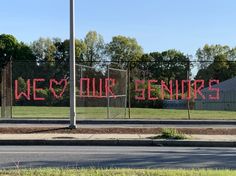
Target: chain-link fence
(101, 92)
(147, 90)
(40, 90)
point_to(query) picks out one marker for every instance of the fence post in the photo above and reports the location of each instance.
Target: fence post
(11, 88)
(188, 78)
(129, 87)
(108, 94)
(126, 91)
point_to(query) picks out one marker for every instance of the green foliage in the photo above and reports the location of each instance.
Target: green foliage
(166, 66)
(221, 69)
(208, 53)
(24, 53)
(8, 45)
(44, 50)
(62, 51)
(8, 48)
(124, 49)
(170, 133)
(95, 48)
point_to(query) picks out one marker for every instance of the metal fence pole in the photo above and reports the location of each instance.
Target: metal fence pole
(129, 87)
(188, 78)
(126, 91)
(11, 96)
(107, 91)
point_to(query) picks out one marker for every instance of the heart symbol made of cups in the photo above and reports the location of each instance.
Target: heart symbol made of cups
(62, 82)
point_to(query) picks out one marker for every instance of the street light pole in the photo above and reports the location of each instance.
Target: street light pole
(72, 66)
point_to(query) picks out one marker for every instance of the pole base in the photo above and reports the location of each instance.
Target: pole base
(73, 126)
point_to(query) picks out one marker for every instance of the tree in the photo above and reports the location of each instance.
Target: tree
(95, 49)
(124, 49)
(8, 48)
(207, 54)
(144, 66)
(24, 62)
(20, 53)
(63, 47)
(176, 65)
(62, 55)
(232, 69)
(167, 65)
(44, 50)
(221, 69)
(24, 53)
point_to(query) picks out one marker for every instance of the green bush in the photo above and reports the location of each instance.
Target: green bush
(170, 133)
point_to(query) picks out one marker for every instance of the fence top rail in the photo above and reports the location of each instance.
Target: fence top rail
(80, 65)
(117, 62)
(117, 69)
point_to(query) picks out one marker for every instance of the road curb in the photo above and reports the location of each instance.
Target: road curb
(120, 121)
(123, 142)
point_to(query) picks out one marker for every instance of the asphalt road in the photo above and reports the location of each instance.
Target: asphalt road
(118, 157)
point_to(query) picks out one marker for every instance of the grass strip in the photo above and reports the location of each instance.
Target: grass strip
(116, 172)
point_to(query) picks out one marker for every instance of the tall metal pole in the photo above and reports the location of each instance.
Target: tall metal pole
(72, 66)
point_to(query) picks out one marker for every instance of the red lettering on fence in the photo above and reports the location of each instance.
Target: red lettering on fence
(165, 88)
(187, 91)
(217, 90)
(137, 89)
(188, 97)
(183, 87)
(35, 89)
(197, 90)
(60, 83)
(176, 89)
(87, 88)
(22, 94)
(109, 87)
(150, 90)
(100, 89)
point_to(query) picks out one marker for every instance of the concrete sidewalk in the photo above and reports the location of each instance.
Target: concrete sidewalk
(108, 132)
(115, 140)
(49, 136)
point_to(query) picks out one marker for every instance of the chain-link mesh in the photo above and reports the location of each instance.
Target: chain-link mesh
(101, 92)
(91, 100)
(118, 101)
(107, 88)
(40, 90)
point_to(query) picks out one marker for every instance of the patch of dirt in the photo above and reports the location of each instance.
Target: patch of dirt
(28, 130)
